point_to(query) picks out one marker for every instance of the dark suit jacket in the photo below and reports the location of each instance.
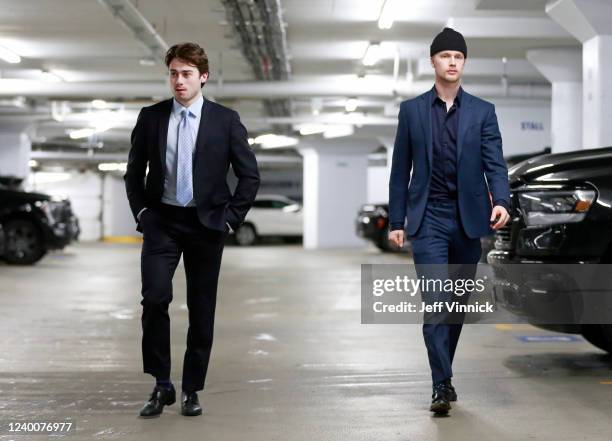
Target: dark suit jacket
(479, 155)
(222, 140)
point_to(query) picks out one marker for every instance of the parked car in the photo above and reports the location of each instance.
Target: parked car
(373, 223)
(372, 219)
(561, 213)
(271, 215)
(33, 223)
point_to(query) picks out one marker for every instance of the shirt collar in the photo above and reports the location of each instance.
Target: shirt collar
(437, 98)
(195, 109)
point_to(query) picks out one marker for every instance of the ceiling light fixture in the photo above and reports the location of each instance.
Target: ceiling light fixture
(99, 104)
(272, 141)
(339, 131)
(112, 166)
(312, 129)
(351, 105)
(9, 56)
(387, 15)
(372, 54)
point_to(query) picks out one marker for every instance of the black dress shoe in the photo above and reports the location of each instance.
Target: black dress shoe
(440, 403)
(160, 397)
(190, 406)
(452, 395)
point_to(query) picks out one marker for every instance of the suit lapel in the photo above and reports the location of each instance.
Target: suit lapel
(162, 131)
(425, 114)
(464, 122)
(202, 131)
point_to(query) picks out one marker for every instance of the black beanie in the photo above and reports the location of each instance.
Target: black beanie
(448, 40)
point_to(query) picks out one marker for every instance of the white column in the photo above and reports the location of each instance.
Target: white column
(597, 65)
(15, 148)
(563, 68)
(117, 219)
(335, 186)
(589, 22)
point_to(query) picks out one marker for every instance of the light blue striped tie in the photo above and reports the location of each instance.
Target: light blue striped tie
(184, 167)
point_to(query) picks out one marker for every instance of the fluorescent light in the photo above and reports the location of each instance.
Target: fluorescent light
(251, 141)
(271, 140)
(81, 133)
(33, 163)
(112, 166)
(99, 104)
(351, 105)
(312, 129)
(101, 122)
(372, 54)
(9, 56)
(338, 131)
(147, 62)
(50, 177)
(387, 15)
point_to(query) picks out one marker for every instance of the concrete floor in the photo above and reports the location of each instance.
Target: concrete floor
(291, 360)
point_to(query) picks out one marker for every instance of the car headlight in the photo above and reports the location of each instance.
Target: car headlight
(555, 207)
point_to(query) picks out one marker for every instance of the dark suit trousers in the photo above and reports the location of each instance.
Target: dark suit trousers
(439, 241)
(170, 232)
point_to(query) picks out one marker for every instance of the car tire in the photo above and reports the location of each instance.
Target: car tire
(246, 235)
(24, 244)
(598, 335)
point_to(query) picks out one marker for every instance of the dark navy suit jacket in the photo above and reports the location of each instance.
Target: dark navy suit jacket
(480, 164)
(221, 141)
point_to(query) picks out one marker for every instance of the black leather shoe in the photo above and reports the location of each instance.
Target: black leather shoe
(440, 403)
(160, 397)
(190, 406)
(452, 395)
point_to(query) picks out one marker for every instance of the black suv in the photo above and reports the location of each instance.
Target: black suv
(561, 214)
(33, 223)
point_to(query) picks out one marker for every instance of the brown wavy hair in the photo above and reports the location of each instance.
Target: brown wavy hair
(192, 53)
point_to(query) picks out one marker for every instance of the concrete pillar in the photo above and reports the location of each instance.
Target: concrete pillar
(563, 68)
(597, 65)
(15, 148)
(589, 21)
(335, 186)
(117, 220)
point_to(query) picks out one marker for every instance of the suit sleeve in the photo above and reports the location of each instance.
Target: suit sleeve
(245, 168)
(401, 166)
(136, 167)
(493, 161)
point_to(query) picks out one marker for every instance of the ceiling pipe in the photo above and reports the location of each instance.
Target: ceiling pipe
(365, 87)
(126, 13)
(85, 156)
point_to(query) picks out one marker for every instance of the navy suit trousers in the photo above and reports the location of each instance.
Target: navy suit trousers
(440, 240)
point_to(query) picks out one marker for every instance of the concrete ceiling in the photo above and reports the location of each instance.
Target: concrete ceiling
(92, 51)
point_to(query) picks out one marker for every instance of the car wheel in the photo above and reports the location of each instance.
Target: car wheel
(23, 242)
(598, 335)
(246, 235)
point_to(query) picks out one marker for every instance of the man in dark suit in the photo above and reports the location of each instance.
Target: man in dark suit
(185, 208)
(447, 158)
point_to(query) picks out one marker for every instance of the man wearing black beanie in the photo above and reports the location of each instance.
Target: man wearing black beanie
(449, 182)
